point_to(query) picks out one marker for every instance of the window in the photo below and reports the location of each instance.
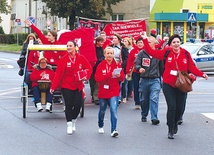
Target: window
(179, 29)
(116, 17)
(165, 29)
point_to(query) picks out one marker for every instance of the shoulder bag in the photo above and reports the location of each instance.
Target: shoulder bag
(183, 81)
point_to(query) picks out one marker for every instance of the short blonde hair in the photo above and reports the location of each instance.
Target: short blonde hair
(108, 48)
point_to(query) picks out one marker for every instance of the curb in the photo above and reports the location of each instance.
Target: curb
(15, 52)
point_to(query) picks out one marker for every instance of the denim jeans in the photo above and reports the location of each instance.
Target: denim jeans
(135, 80)
(37, 95)
(113, 103)
(150, 96)
(176, 101)
(124, 89)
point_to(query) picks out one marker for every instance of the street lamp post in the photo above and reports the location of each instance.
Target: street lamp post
(25, 14)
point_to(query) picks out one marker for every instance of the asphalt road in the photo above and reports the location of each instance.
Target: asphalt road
(45, 133)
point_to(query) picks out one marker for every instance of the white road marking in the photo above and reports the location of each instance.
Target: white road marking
(9, 92)
(209, 115)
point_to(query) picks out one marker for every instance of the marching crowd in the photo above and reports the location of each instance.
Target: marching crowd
(126, 67)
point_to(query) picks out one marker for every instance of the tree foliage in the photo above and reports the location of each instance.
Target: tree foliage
(95, 9)
(4, 8)
(1, 30)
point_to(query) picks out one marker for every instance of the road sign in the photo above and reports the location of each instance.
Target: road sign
(19, 23)
(18, 20)
(32, 19)
(191, 17)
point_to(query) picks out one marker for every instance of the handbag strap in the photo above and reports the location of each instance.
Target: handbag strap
(176, 64)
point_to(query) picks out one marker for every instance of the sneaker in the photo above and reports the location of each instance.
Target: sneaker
(39, 107)
(74, 124)
(143, 119)
(137, 107)
(124, 100)
(48, 107)
(114, 133)
(101, 130)
(155, 122)
(69, 128)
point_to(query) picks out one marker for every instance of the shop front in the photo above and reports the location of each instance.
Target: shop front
(187, 25)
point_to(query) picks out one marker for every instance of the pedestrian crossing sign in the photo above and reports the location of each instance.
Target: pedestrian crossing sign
(192, 17)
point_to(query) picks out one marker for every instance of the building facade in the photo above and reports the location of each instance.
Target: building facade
(189, 19)
(22, 9)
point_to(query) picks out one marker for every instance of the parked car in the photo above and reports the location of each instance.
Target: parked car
(202, 54)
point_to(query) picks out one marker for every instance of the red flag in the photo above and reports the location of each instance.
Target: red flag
(84, 37)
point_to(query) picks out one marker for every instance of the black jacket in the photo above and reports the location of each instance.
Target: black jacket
(151, 65)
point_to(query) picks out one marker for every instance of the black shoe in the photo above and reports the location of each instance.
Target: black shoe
(96, 102)
(143, 119)
(175, 129)
(171, 133)
(21, 72)
(155, 122)
(180, 122)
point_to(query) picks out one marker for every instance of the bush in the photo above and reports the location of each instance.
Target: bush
(11, 39)
(1, 30)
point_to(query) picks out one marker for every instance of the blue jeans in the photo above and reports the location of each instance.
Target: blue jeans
(124, 89)
(113, 103)
(150, 96)
(135, 80)
(37, 95)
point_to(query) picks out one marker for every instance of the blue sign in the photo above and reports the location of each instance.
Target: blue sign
(191, 17)
(19, 23)
(32, 19)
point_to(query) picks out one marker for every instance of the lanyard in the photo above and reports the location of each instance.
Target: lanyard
(176, 57)
(74, 59)
(108, 69)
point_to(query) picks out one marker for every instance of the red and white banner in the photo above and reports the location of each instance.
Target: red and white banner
(131, 28)
(123, 28)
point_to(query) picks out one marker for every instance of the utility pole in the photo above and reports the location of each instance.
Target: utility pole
(29, 30)
(25, 14)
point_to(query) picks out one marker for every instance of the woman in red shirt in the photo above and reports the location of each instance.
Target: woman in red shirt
(52, 57)
(108, 80)
(42, 72)
(135, 74)
(175, 99)
(72, 70)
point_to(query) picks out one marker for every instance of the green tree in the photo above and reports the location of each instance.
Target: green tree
(1, 30)
(4, 8)
(95, 9)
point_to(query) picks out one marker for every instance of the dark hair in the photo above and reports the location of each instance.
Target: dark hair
(139, 39)
(99, 39)
(54, 33)
(153, 35)
(75, 44)
(118, 37)
(173, 37)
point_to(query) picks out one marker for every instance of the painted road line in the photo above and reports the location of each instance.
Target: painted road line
(209, 115)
